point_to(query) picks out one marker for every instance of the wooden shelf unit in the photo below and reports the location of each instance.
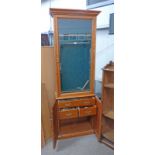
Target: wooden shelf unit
(109, 85)
(110, 69)
(108, 105)
(109, 114)
(108, 139)
(109, 135)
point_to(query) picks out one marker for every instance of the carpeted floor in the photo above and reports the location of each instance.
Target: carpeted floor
(86, 145)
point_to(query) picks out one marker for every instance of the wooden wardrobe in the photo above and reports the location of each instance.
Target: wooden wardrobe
(77, 110)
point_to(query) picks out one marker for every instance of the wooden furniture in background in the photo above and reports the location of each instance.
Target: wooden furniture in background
(48, 72)
(48, 77)
(45, 115)
(108, 105)
(77, 111)
(42, 136)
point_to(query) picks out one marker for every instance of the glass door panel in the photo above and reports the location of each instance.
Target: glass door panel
(75, 54)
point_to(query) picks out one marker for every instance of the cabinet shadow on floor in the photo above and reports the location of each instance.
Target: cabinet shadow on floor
(64, 144)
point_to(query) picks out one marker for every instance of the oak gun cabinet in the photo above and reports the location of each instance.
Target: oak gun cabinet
(77, 110)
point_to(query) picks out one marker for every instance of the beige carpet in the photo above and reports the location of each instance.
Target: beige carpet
(86, 145)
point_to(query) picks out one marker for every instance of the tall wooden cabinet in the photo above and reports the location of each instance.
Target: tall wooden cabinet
(77, 111)
(108, 105)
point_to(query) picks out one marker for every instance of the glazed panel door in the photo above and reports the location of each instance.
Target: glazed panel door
(75, 54)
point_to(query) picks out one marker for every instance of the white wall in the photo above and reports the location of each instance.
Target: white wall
(104, 51)
(45, 17)
(104, 41)
(103, 17)
(69, 4)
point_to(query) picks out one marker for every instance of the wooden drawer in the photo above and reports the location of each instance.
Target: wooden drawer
(86, 102)
(66, 104)
(69, 113)
(76, 102)
(87, 111)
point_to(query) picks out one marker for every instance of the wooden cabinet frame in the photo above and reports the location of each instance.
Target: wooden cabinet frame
(79, 122)
(72, 14)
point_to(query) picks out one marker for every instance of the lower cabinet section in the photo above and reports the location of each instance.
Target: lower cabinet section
(75, 127)
(75, 117)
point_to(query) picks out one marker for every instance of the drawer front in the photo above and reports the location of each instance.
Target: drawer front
(66, 114)
(89, 111)
(76, 102)
(86, 102)
(67, 104)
